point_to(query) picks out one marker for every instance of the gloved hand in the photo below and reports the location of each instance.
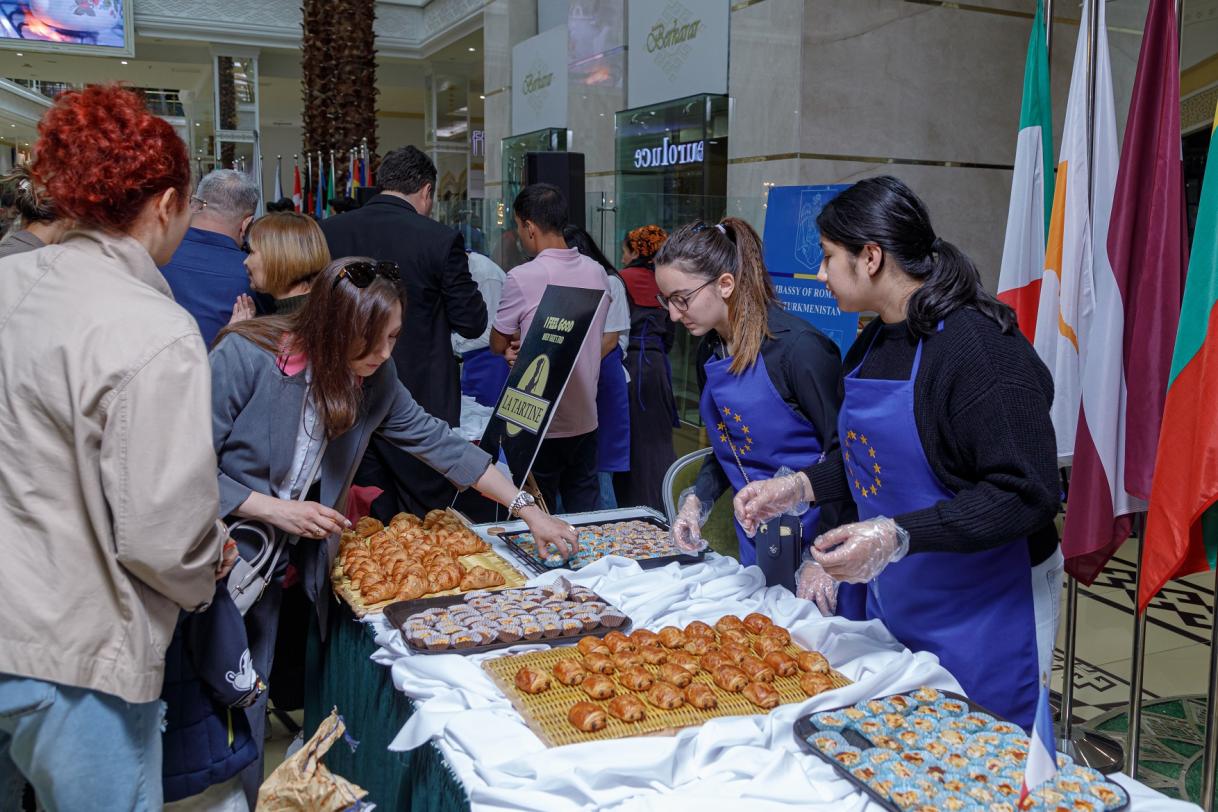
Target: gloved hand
(687, 528)
(857, 552)
(788, 493)
(812, 583)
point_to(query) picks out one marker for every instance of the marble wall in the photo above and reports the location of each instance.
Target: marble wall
(505, 23)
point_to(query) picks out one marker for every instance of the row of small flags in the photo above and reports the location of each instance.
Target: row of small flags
(313, 191)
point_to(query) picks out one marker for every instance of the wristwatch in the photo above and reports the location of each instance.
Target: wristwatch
(520, 502)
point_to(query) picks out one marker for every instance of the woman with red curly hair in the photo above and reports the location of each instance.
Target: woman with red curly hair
(108, 494)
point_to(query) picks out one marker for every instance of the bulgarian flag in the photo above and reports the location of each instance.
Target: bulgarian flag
(1181, 529)
(1127, 336)
(1023, 253)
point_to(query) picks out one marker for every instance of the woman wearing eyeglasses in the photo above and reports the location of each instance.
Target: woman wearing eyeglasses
(769, 385)
(305, 393)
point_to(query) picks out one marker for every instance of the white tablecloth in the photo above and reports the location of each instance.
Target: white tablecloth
(731, 763)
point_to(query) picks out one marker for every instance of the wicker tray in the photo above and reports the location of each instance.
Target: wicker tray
(490, 560)
(546, 713)
(527, 553)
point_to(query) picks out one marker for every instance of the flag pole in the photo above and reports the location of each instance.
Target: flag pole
(1049, 35)
(1133, 739)
(1210, 763)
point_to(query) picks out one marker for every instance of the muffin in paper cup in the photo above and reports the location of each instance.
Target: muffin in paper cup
(848, 756)
(828, 741)
(830, 720)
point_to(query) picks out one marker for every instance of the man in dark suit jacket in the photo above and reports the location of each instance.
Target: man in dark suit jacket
(441, 299)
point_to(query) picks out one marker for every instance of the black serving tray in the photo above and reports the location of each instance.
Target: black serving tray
(804, 729)
(527, 554)
(398, 613)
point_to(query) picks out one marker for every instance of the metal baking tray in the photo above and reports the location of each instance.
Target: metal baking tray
(398, 613)
(527, 554)
(804, 729)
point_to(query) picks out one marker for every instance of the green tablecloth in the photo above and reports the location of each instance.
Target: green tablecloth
(340, 674)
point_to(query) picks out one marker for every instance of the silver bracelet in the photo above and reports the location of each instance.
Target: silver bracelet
(520, 502)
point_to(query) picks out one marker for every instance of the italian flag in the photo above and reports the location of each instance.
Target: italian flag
(1023, 253)
(1181, 528)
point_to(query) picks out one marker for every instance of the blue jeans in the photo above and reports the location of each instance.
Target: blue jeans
(80, 749)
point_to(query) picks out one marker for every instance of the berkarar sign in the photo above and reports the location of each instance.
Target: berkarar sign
(669, 154)
(539, 82)
(676, 48)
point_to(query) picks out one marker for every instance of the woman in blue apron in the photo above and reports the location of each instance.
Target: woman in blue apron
(653, 406)
(947, 450)
(768, 379)
(483, 373)
(612, 395)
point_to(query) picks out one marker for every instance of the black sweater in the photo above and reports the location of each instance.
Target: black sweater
(982, 411)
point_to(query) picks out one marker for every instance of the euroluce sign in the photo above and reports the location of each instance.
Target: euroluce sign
(670, 154)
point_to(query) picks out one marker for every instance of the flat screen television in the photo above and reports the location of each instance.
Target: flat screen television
(97, 27)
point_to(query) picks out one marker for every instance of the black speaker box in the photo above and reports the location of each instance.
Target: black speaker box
(566, 171)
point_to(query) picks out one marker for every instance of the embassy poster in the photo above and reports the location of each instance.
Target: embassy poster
(793, 256)
(537, 381)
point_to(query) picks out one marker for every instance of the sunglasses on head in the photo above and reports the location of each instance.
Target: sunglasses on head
(361, 274)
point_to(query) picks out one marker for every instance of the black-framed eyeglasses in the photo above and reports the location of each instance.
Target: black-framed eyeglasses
(245, 246)
(197, 204)
(681, 301)
(361, 274)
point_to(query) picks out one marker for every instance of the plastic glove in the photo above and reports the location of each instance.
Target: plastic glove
(812, 583)
(687, 528)
(788, 493)
(857, 552)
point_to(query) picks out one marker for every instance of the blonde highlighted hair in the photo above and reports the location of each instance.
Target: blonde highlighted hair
(292, 248)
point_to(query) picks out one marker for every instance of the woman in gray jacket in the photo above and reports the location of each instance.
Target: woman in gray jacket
(321, 383)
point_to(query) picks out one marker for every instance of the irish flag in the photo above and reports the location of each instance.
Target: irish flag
(1181, 528)
(1023, 253)
(1126, 336)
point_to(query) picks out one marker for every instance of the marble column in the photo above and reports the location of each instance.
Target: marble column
(505, 23)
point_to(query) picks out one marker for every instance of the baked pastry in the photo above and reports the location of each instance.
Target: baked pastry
(665, 696)
(730, 678)
(701, 696)
(784, 664)
(570, 672)
(592, 645)
(756, 670)
(618, 642)
(480, 578)
(636, 678)
(627, 659)
(532, 681)
(685, 660)
(672, 637)
(815, 682)
(777, 633)
(366, 526)
(756, 623)
(644, 637)
(699, 629)
(627, 707)
(598, 686)
(587, 717)
(697, 645)
(734, 652)
(412, 587)
(813, 662)
(761, 694)
(599, 663)
(653, 655)
(713, 659)
(765, 644)
(727, 622)
(675, 674)
(738, 636)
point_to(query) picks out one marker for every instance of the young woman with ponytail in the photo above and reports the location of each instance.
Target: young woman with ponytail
(947, 450)
(769, 386)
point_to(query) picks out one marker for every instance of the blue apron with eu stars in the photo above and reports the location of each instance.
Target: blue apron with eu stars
(483, 374)
(753, 433)
(973, 610)
(613, 414)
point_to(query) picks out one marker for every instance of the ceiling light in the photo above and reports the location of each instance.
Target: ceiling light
(196, 124)
(14, 126)
(20, 54)
(472, 49)
(481, 96)
(122, 62)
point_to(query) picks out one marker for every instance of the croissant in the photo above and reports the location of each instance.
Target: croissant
(761, 695)
(699, 629)
(644, 637)
(813, 662)
(367, 526)
(734, 652)
(569, 672)
(434, 517)
(618, 642)
(672, 637)
(480, 578)
(377, 591)
(698, 645)
(730, 678)
(532, 681)
(636, 678)
(701, 696)
(756, 670)
(627, 659)
(784, 664)
(727, 622)
(685, 660)
(665, 696)
(777, 633)
(599, 664)
(587, 717)
(626, 707)
(412, 587)
(815, 682)
(737, 636)
(755, 623)
(713, 659)
(653, 655)
(598, 686)
(592, 645)
(765, 644)
(675, 674)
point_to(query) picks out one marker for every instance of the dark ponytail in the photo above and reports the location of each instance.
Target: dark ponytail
(732, 247)
(885, 212)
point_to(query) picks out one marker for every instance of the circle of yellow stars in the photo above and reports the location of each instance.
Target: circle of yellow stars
(725, 437)
(867, 470)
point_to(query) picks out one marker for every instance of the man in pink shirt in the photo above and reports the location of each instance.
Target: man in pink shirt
(566, 462)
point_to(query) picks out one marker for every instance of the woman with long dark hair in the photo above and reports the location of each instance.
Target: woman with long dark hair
(768, 381)
(653, 406)
(305, 393)
(947, 450)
